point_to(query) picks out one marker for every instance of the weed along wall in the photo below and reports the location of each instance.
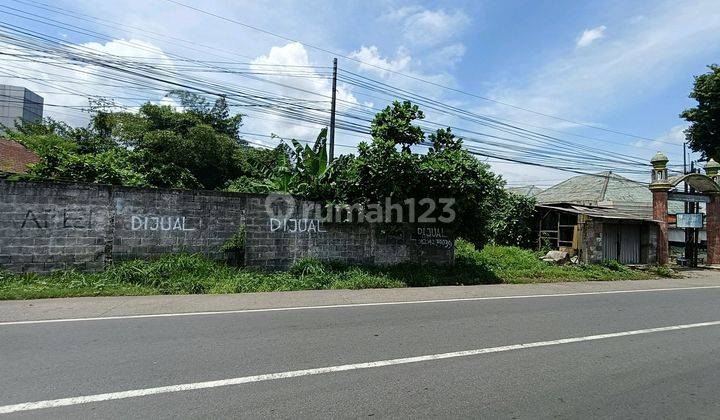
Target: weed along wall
(46, 226)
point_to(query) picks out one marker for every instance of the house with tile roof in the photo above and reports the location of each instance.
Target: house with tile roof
(15, 157)
(598, 217)
(604, 189)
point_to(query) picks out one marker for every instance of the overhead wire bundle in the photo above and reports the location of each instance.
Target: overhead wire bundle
(152, 73)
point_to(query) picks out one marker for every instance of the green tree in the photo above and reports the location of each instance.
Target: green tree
(512, 222)
(76, 154)
(217, 116)
(703, 135)
(444, 139)
(108, 167)
(381, 171)
(158, 146)
(395, 124)
(299, 169)
(181, 149)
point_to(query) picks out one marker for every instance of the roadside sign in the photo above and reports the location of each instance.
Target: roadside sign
(690, 220)
(688, 197)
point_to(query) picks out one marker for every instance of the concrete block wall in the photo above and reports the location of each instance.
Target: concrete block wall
(46, 226)
(148, 223)
(277, 240)
(49, 226)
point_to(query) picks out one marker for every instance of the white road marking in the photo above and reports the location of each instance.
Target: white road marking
(350, 305)
(63, 402)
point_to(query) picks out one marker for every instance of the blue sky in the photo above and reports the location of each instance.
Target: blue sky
(625, 66)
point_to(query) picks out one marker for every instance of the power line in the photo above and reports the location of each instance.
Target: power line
(335, 53)
(137, 70)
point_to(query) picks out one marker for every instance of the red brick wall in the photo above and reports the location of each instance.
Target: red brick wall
(14, 157)
(713, 230)
(660, 211)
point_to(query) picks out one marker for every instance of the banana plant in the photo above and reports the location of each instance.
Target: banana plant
(309, 166)
(311, 163)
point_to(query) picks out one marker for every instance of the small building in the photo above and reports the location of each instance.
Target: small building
(598, 217)
(19, 104)
(596, 233)
(604, 189)
(15, 157)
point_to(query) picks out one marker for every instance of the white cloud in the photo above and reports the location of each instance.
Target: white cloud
(66, 89)
(314, 91)
(425, 27)
(399, 14)
(674, 136)
(371, 60)
(428, 27)
(590, 35)
(446, 56)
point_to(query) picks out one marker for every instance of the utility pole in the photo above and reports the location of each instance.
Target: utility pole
(332, 111)
(688, 234)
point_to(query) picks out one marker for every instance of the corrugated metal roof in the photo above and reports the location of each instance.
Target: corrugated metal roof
(597, 212)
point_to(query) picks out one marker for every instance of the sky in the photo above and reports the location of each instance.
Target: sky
(610, 75)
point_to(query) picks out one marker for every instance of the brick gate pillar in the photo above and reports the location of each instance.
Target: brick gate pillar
(660, 211)
(713, 230)
(712, 170)
(660, 186)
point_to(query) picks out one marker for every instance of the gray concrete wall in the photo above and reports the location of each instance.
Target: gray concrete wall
(277, 240)
(148, 223)
(47, 226)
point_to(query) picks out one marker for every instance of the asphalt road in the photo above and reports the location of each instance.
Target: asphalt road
(644, 373)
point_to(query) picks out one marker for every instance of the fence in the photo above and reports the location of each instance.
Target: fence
(46, 226)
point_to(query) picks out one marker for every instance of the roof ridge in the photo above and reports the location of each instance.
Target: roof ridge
(606, 182)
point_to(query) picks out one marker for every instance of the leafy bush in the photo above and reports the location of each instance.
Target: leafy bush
(512, 223)
(236, 242)
(613, 265)
(308, 266)
(664, 271)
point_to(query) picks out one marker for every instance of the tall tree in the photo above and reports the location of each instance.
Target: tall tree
(395, 124)
(703, 134)
(158, 146)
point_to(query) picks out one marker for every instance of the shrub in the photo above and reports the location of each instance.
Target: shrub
(235, 242)
(664, 271)
(613, 265)
(308, 266)
(512, 223)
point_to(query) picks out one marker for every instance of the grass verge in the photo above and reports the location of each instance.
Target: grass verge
(184, 274)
